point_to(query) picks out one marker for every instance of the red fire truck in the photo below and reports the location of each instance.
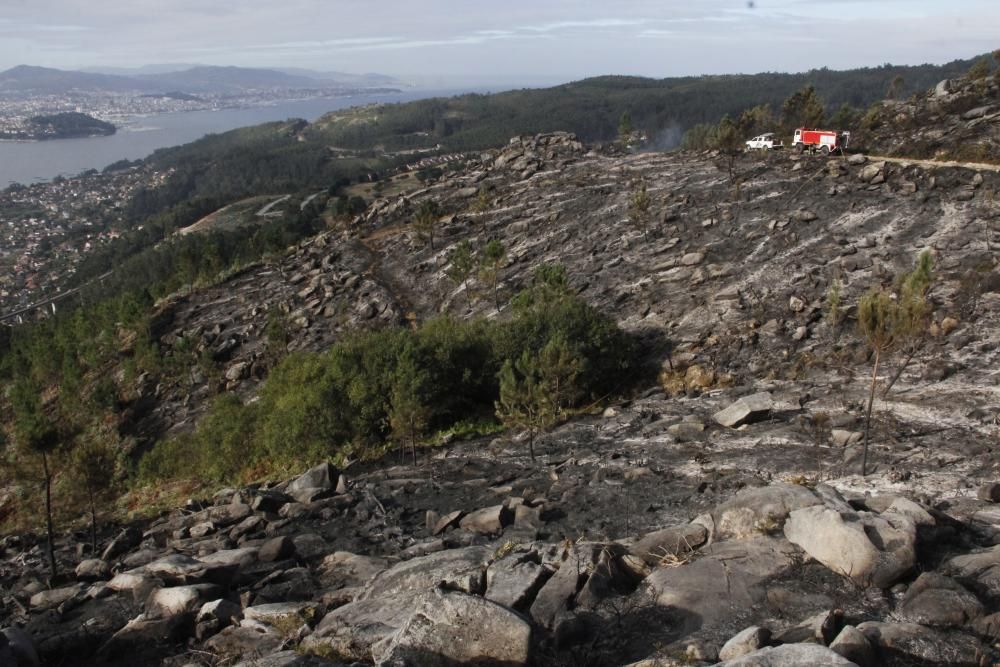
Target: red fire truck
(819, 140)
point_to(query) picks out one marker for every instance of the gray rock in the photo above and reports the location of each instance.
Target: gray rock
(980, 568)
(449, 520)
(182, 569)
(987, 626)
(978, 112)
(934, 599)
(140, 634)
(278, 548)
(125, 541)
(989, 492)
(820, 628)
(298, 510)
(727, 579)
(167, 602)
(759, 511)
(222, 612)
(528, 517)
(745, 410)
(270, 501)
(232, 558)
(324, 476)
(21, 647)
(487, 521)
(791, 655)
(55, 597)
(744, 642)
(140, 558)
(608, 576)
(843, 438)
(900, 644)
(202, 529)
(459, 569)
(842, 542)
(134, 582)
(558, 593)
(221, 516)
(351, 630)
(287, 659)
(853, 645)
(870, 171)
(423, 548)
(276, 612)
(246, 639)
(237, 371)
(857, 159)
(669, 542)
(514, 580)
(343, 569)
(686, 430)
(93, 569)
(451, 628)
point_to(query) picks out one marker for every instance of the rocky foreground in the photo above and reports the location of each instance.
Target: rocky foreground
(482, 558)
(717, 517)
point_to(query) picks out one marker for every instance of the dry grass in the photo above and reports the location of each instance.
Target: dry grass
(151, 500)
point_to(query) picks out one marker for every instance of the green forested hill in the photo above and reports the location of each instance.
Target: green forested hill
(68, 125)
(663, 108)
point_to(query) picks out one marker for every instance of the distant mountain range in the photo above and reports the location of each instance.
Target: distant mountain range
(27, 79)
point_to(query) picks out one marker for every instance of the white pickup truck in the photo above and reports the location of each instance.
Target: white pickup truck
(764, 142)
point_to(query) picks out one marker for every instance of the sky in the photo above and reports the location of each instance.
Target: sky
(498, 40)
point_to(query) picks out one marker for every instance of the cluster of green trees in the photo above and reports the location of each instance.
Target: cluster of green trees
(400, 386)
(222, 168)
(62, 126)
(62, 450)
(594, 108)
(68, 357)
(464, 263)
(803, 108)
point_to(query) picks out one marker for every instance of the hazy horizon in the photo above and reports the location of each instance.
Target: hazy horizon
(443, 42)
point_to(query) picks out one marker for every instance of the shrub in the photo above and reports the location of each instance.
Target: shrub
(404, 384)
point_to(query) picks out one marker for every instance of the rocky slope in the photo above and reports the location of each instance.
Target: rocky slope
(959, 119)
(718, 518)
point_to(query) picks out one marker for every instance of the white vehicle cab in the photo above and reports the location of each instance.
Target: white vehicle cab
(764, 142)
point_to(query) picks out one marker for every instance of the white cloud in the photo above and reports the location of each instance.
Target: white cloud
(575, 38)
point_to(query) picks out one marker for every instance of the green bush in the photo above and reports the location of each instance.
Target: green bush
(343, 402)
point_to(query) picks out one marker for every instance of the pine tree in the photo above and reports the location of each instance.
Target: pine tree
(980, 69)
(625, 128)
(537, 388)
(38, 439)
(409, 414)
(802, 109)
(524, 403)
(846, 117)
(876, 323)
(460, 266)
(895, 88)
(638, 208)
(558, 368)
(481, 204)
(93, 472)
(426, 220)
(729, 143)
(491, 259)
(913, 312)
